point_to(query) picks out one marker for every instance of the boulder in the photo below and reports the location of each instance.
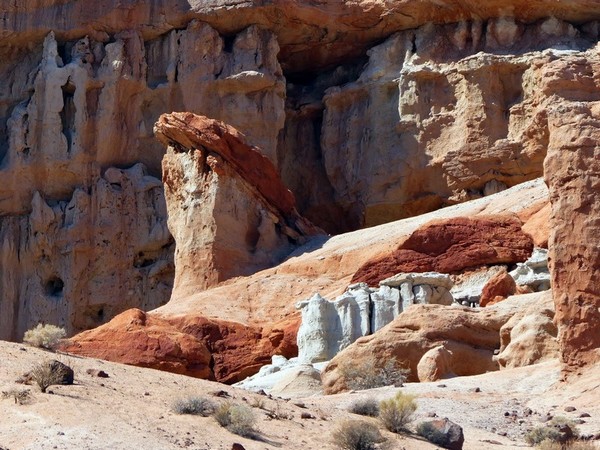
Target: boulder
(530, 336)
(452, 245)
(468, 337)
(443, 432)
(499, 287)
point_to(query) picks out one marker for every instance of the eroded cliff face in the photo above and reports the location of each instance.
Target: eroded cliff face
(73, 115)
(370, 112)
(571, 171)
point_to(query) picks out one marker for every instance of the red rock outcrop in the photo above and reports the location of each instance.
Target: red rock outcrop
(229, 212)
(498, 288)
(571, 171)
(450, 246)
(194, 345)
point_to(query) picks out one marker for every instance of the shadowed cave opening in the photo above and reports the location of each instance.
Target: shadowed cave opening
(67, 114)
(54, 287)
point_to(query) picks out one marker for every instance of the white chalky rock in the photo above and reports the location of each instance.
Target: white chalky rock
(534, 272)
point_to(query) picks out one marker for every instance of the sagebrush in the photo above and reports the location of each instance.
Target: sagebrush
(239, 419)
(368, 374)
(199, 406)
(397, 412)
(552, 432)
(44, 336)
(357, 435)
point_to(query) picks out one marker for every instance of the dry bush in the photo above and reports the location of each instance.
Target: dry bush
(552, 432)
(198, 406)
(20, 396)
(357, 435)
(44, 336)
(49, 373)
(397, 412)
(571, 445)
(365, 407)
(239, 419)
(368, 375)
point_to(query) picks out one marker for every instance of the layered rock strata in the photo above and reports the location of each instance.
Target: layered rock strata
(229, 212)
(451, 246)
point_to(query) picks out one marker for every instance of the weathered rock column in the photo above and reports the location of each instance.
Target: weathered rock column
(572, 172)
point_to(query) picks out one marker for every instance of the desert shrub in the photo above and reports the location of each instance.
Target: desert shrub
(559, 430)
(239, 419)
(356, 435)
(397, 412)
(20, 396)
(49, 373)
(365, 407)
(571, 445)
(45, 336)
(431, 433)
(368, 375)
(198, 406)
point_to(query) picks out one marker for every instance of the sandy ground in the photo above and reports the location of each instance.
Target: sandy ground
(132, 408)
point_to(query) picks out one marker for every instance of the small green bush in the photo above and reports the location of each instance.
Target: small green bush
(357, 435)
(365, 407)
(368, 375)
(432, 434)
(198, 406)
(44, 336)
(397, 412)
(239, 419)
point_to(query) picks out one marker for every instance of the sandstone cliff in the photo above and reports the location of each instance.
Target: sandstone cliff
(369, 111)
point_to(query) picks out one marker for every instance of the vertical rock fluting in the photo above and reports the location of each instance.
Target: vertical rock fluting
(572, 172)
(81, 239)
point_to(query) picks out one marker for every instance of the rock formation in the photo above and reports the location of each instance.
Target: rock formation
(435, 341)
(330, 326)
(452, 245)
(571, 172)
(193, 345)
(229, 212)
(268, 297)
(79, 111)
(530, 336)
(75, 263)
